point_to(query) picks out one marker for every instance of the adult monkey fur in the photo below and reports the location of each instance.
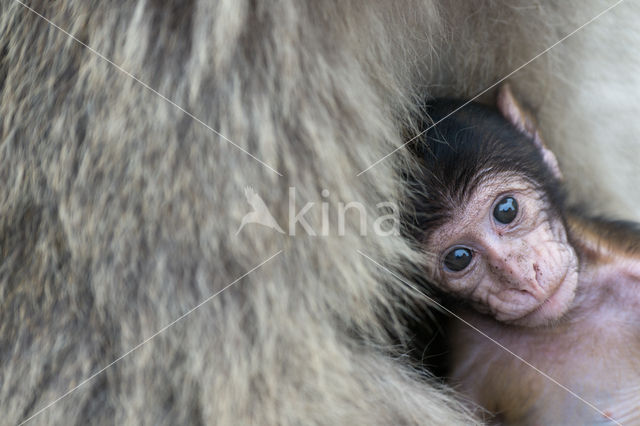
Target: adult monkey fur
(551, 284)
(118, 211)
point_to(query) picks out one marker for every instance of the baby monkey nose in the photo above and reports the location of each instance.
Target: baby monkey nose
(530, 283)
(536, 269)
(519, 274)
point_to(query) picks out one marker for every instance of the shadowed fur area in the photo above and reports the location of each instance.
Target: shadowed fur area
(119, 212)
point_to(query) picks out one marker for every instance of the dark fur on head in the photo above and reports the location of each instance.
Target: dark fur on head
(457, 154)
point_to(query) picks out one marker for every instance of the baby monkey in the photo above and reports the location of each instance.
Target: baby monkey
(555, 287)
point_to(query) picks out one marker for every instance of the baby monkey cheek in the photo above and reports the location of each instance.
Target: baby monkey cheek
(557, 273)
(550, 265)
(552, 255)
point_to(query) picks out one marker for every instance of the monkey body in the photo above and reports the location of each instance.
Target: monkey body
(594, 351)
(530, 277)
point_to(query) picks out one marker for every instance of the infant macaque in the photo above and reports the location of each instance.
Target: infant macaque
(557, 288)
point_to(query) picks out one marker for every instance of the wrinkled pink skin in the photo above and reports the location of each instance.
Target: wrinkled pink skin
(524, 272)
(572, 312)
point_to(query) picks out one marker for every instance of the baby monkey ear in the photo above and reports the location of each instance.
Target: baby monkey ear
(524, 121)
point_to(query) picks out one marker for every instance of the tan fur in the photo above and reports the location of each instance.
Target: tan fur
(602, 240)
(118, 211)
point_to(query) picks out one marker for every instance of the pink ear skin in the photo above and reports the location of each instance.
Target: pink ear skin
(523, 121)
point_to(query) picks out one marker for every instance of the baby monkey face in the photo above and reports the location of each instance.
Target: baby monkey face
(508, 254)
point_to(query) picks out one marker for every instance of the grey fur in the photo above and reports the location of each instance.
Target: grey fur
(118, 212)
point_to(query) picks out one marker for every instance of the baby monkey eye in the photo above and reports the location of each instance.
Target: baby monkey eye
(506, 210)
(458, 259)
